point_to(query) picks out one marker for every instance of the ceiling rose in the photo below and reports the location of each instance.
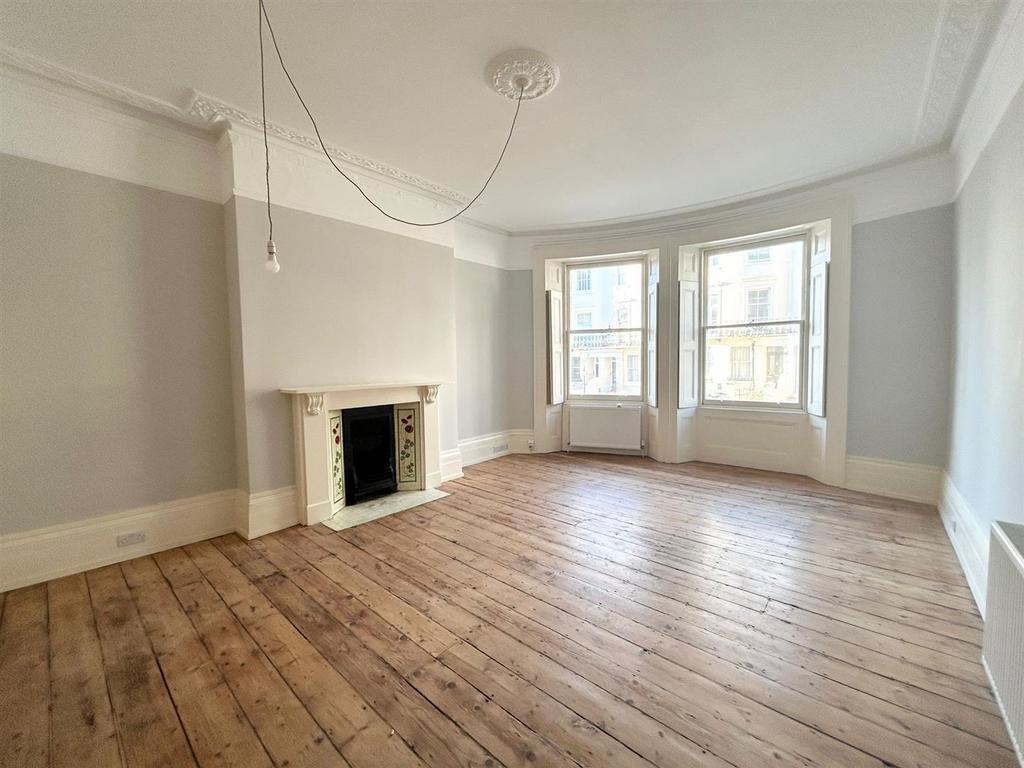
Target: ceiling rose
(522, 70)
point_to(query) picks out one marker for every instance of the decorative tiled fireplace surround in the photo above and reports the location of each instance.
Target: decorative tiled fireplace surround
(319, 463)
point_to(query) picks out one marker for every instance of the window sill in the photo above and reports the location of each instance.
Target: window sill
(603, 400)
(753, 413)
(764, 408)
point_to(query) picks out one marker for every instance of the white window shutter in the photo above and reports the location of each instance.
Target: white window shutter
(817, 337)
(689, 328)
(556, 355)
(653, 277)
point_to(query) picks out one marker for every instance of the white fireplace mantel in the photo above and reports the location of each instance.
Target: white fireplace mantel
(312, 407)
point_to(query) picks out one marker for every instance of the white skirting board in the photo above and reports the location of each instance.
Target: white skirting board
(969, 539)
(49, 553)
(266, 511)
(477, 449)
(451, 465)
(929, 485)
(895, 479)
(35, 556)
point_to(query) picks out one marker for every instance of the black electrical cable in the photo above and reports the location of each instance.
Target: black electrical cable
(273, 39)
(266, 144)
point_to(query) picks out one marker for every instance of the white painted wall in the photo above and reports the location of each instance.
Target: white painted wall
(986, 448)
(484, 245)
(986, 455)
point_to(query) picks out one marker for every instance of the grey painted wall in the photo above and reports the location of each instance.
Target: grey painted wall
(114, 357)
(901, 337)
(986, 453)
(235, 328)
(351, 305)
(494, 329)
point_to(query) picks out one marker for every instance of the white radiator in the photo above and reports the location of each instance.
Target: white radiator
(605, 425)
(1003, 645)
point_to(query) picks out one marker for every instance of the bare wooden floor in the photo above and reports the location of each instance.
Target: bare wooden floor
(553, 611)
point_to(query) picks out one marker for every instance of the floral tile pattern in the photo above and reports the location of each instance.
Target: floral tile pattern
(406, 444)
(338, 462)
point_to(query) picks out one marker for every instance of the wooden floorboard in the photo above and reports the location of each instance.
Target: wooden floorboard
(560, 610)
(80, 703)
(25, 679)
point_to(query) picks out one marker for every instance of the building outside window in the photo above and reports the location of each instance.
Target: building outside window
(774, 358)
(714, 309)
(740, 363)
(754, 324)
(604, 300)
(759, 305)
(633, 369)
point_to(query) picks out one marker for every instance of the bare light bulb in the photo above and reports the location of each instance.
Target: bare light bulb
(272, 265)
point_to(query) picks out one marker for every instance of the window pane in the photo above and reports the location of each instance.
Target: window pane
(758, 365)
(606, 297)
(633, 369)
(756, 285)
(608, 363)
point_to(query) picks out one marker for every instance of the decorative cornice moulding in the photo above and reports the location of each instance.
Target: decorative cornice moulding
(306, 181)
(202, 107)
(892, 186)
(208, 113)
(1000, 79)
(47, 123)
(958, 33)
(95, 86)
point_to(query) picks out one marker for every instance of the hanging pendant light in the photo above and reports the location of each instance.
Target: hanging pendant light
(273, 265)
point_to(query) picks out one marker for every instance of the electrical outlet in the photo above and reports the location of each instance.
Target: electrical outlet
(530, 444)
(128, 539)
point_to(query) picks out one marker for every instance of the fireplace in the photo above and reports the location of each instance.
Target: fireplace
(368, 437)
(320, 451)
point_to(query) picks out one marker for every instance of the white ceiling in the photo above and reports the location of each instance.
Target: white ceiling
(661, 105)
